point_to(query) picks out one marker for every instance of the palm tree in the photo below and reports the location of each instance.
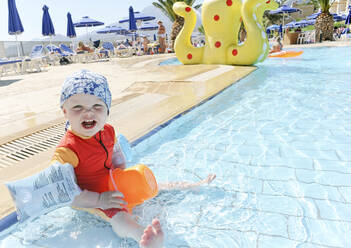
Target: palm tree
(166, 7)
(324, 23)
(201, 30)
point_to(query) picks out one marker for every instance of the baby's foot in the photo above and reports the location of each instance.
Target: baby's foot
(153, 235)
(209, 178)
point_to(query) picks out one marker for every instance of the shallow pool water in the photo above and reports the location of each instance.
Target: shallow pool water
(280, 143)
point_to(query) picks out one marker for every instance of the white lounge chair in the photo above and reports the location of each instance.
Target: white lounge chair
(10, 65)
(35, 60)
(301, 38)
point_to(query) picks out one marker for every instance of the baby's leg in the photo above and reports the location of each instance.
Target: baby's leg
(126, 227)
(186, 185)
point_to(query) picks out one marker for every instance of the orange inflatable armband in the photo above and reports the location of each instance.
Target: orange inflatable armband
(137, 184)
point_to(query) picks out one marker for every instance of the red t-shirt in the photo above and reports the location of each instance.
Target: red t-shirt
(94, 154)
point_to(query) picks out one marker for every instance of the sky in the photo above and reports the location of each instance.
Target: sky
(31, 13)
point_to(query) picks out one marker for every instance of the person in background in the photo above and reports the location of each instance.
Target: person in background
(90, 147)
(145, 45)
(83, 48)
(277, 46)
(161, 34)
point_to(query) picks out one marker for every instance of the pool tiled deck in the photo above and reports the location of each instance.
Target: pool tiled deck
(146, 95)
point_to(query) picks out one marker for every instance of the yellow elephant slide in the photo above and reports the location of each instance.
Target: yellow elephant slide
(221, 20)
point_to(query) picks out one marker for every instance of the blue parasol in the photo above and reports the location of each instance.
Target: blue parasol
(47, 26)
(283, 10)
(132, 21)
(348, 18)
(311, 22)
(139, 17)
(112, 29)
(71, 32)
(302, 23)
(147, 26)
(290, 25)
(15, 24)
(273, 27)
(86, 22)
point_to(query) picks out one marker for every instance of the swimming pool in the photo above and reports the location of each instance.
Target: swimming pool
(280, 143)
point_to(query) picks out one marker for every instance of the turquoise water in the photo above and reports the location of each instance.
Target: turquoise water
(280, 143)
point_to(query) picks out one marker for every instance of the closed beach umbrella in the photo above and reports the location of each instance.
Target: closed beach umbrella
(132, 21)
(87, 22)
(348, 18)
(15, 24)
(71, 32)
(47, 28)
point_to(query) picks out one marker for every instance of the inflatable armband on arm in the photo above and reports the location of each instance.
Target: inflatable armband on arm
(122, 152)
(137, 184)
(45, 191)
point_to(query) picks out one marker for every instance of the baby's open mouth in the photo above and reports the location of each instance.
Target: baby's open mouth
(88, 124)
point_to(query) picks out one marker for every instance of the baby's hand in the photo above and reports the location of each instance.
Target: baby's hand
(111, 199)
(120, 166)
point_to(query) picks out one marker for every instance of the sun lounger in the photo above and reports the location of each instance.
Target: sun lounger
(72, 54)
(13, 65)
(123, 51)
(54, 54)
(35, 60)
(67, 50)
(81, 57)
(110, 48)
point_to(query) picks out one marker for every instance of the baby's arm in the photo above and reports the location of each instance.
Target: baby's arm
(105, 200)
(118, 158)
(88, 199)
(186, 185)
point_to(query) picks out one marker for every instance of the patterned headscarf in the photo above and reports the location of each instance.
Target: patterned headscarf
(86, 82)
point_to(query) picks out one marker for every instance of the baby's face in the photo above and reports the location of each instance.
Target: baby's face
(86, 114)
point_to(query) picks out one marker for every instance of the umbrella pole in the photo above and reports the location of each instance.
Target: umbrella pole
(283, 25)
(86, 29)
(18, 51)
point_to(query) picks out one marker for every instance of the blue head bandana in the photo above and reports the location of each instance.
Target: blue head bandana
(86, 82)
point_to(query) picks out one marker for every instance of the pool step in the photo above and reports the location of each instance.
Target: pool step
(22, 148)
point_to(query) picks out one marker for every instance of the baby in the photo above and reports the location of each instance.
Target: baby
(90, 146)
